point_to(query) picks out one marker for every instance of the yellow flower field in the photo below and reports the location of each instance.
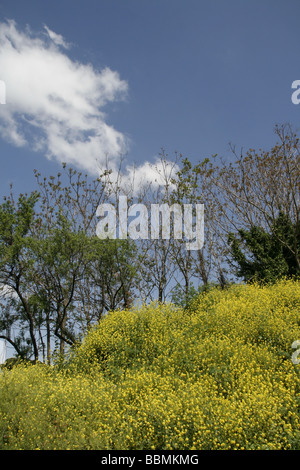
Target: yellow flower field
(216, 376)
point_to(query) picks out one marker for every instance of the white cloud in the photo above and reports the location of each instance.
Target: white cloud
(54, 104)
(57, 38)
(137, 180)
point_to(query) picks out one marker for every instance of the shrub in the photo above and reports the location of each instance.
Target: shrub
(218, 375)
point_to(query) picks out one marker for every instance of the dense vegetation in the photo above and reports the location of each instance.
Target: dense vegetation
(217, 375)
(58, 278)
(141, 343)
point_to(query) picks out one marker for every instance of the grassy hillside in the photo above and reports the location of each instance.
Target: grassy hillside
(218, 376)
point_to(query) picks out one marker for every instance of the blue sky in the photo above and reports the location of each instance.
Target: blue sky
(188, 76)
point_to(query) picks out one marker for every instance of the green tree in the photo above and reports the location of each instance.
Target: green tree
(16, 222)
(246, 195)
(62, 276)
(267, 256)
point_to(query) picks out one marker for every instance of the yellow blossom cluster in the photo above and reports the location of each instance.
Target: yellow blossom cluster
(216, 376)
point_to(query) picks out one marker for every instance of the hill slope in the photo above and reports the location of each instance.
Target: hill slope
(218, 376)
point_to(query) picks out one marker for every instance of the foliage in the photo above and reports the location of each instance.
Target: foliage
(59, 275)
(217, 375)
(62, 279)
(269, 254)
(182, 299)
